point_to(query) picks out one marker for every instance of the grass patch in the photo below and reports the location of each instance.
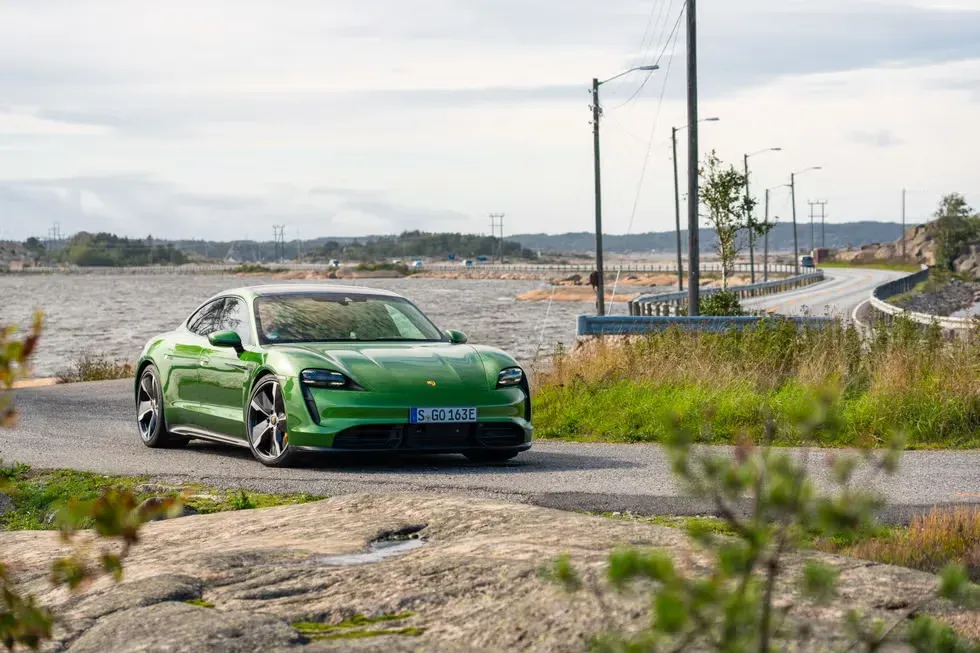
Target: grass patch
(929, 543)
(201, 603)
(354, 627)
(96, 367)
(38, 495)
(897, 265)
(254, 268)
(723, 385)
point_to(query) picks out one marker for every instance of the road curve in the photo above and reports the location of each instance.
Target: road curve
(843, 291)
(90, 426)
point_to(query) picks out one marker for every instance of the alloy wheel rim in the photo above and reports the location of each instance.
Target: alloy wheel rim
(267, 422)
(147, 406)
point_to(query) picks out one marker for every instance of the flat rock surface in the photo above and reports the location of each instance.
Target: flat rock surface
(474, 584)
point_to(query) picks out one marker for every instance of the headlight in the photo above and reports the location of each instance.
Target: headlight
(324, 379)
(510, 377)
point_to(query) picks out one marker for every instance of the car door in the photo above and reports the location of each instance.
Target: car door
(225, 372)
(182, 386)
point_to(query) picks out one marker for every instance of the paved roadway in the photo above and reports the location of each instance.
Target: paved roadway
(90, 426)
(839, 295)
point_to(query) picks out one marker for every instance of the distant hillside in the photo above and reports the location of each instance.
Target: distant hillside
(854, 234)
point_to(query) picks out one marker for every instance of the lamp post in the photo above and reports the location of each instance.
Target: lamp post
(765, 255)
(750, 221)
(792, 187)
(596, 113)
(677, 202)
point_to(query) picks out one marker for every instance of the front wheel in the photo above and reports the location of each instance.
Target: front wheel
(268, 435)
(150, 420)
(491, 455)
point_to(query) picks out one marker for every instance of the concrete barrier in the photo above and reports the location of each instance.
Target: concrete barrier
(619, 325)
(883, 311)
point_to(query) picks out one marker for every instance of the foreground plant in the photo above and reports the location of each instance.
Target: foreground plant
(115, 516)
(768, 499)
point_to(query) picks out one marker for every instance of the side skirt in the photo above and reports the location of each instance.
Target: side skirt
(192, 432)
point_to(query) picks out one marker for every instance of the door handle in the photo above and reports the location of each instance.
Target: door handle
(239, 366)
(168, 355)
(205, 361)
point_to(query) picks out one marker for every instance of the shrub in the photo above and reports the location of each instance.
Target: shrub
(95, 367)
(724, 303)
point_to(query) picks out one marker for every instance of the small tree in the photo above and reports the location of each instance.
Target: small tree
(729, 210)
(956, 225)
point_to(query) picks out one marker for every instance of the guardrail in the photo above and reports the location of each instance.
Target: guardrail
(621, 325)
(886, 312)
(671, 303)
(197, 268)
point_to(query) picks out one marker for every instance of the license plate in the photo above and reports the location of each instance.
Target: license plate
(434, 415)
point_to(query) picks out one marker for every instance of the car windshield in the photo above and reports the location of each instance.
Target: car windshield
(330, 317)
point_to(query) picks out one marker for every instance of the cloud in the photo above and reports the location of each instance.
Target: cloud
(880, 138)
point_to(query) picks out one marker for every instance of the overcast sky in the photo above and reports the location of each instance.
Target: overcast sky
(218, 118)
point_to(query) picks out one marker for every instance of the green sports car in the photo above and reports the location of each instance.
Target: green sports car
(289, 369)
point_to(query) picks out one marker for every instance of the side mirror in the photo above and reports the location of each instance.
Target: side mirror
(225, 339)
(456, 337)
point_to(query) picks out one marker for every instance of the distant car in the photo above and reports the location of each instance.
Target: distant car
(807, 261)
(417, 264)
(283, 370)
(334, 263)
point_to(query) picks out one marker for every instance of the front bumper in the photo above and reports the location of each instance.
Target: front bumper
(358, 421)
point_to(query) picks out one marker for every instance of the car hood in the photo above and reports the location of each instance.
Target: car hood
(405, 367)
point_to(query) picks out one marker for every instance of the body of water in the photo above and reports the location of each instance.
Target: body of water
(116, 314)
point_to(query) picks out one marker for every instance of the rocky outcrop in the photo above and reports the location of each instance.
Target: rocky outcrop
(969, 263)
(474, 585)
(944, 300)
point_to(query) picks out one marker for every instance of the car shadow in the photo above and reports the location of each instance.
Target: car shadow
(419, 463)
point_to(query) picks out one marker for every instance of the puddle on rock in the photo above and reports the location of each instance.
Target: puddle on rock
(386, 545)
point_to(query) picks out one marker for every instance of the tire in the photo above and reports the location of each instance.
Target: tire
(266, 423)
(151, 422)
(491, 455)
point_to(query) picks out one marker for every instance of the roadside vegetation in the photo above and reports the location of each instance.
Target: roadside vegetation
(928, 542)
(401, 268)
(721, 385)
(95, 367)
(254, 268)
(733, 595)
(38, 495)
(895, 265)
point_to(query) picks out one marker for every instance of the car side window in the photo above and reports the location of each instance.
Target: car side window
(235, 318)
(208, 318)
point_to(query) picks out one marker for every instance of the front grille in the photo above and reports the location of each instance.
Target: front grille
(499, 435)
(423, 437)
(438, 436)
(369, 438)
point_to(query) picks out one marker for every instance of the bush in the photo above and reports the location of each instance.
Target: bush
(723, 303)
(95, 367)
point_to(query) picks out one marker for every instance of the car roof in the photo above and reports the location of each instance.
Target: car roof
(306, 289)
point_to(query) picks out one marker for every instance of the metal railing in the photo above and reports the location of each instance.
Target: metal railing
(887, 312)
(673, 302)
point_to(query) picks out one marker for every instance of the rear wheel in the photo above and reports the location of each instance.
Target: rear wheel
(150, 420)
(268, 435)
(491, 455)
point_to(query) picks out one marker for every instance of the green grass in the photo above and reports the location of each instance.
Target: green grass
(894, 265)
(354, 627)
(723, 386)
(200, 603)
(39, 494)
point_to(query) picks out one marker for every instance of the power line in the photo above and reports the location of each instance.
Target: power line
(673, 35)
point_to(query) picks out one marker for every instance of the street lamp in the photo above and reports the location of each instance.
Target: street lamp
(792, 186)
(750, 225)
(677, 202)
(596, 113)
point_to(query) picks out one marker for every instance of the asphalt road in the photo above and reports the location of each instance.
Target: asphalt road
(839, 295)
(90, 426)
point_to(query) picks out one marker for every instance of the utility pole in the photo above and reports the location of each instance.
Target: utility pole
(745, 160)
(677, 214)
(796, 244)
(693, 244)
(821, 204)
(600, 285)
(903, 224)
(279, 231)
(765, 251)
(497, 223)
(823, 224)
